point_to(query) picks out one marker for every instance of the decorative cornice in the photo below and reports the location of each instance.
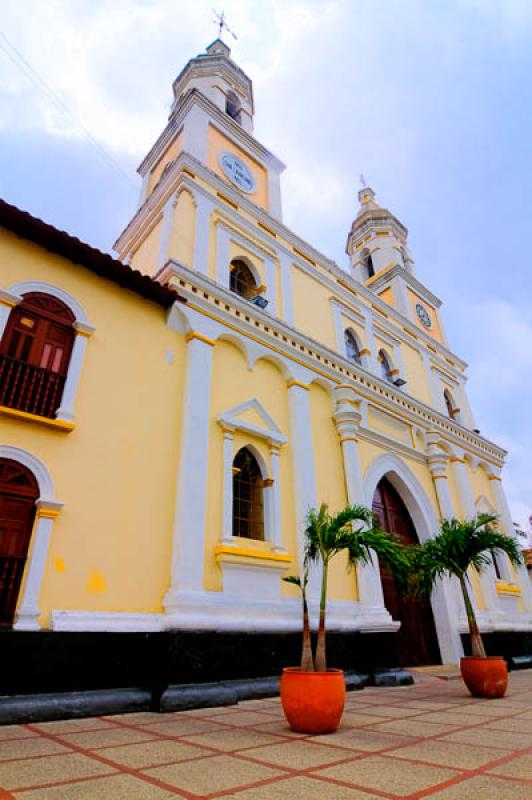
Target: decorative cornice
(292, 344)
(383, 280)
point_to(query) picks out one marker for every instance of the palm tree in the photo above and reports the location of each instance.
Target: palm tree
(459, 545)
(327, 535)
(307, 661)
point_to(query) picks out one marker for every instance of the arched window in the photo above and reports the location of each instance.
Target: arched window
(18, 493)
(369, 266)
(351, 347)
(386, 368)
(35, 353)
(241, 280)
(248, 506)
(232, 106)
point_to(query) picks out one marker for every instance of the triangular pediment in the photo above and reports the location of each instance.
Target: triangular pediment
(253, 418)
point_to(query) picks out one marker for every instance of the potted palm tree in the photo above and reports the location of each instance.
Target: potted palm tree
(459, 546)
(313, 695)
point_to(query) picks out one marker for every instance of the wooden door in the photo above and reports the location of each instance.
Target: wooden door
(18, 493)
(417, 640)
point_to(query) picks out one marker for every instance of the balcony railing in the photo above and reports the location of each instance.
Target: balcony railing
(28, 388)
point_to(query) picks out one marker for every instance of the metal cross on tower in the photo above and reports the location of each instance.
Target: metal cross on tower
(219, 19)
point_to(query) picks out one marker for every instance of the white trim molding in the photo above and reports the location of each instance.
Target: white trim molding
(27, 611)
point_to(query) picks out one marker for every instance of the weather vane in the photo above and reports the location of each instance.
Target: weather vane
(362, 180)
(219, 19)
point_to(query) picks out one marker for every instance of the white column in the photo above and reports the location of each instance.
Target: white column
(370, 342)
(8, 300)
(446, 600)
(276, 531)
(222, 256)
(271, 285)
(400, 296)
(303, 460)
(339, 329)
(191, 495)
(285, 265)
(66, 409)
(487, 576)
(202, 233)
(436, 400)
(164, 244)
(227, 523)
(28, 612)
(347, 418)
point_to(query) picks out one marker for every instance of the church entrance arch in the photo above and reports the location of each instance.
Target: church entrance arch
(417, 641)
(18, 493)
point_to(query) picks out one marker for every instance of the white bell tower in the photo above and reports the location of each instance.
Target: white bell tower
(218, 78)
(377, 240)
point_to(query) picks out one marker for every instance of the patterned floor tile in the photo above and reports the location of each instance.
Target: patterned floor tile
(300, 788)
(150, 754)
(449, 754)
(228, 740)
(31, 747)
(299, 755)
(484, 788)
(49, 769)
(388, 775)
(509, 740)
(115, 787)
(215, 774)
(106, 738)
(520, 767)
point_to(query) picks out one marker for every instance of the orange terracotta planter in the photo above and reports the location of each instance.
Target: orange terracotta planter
(485, 677)
(313, 702)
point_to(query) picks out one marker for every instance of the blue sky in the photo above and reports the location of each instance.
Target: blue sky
(431, 100)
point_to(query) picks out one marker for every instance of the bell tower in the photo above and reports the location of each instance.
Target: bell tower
(377, 240)
(379, 257)
(218, 78)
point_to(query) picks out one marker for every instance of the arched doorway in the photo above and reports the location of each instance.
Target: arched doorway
(416, 640)
(18, 493)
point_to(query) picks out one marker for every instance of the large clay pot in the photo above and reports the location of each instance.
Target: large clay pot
(485, 676)
(313, 702)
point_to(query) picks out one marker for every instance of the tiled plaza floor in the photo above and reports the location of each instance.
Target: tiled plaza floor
(429, 740)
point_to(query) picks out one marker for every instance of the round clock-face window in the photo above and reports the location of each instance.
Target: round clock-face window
(237, 172)
(423, 315)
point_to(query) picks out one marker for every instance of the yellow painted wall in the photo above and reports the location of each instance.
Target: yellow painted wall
(387, 295)
(267, 384)
(418, 385)
(169, 154)
(144, 256)
(111, 544)
(181, 241)
(435, 330)
(217, 143)
(312, 308)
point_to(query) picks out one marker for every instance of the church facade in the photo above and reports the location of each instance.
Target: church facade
(168, 418)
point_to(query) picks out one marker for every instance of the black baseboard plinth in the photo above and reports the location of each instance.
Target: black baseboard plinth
(514, 646)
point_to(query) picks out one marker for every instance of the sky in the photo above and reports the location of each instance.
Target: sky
(430, 100)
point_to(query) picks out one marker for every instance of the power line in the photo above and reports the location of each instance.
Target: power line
(25, 67)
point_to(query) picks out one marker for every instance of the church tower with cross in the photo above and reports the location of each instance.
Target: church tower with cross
(257, 379)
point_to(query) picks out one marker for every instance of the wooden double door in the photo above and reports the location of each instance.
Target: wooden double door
(18, 493)
(417, 640)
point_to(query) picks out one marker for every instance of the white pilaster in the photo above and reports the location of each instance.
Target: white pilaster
(285, 265)
(168, 221)
(446, 601)
(28, 612)
(8, 300)
(467, 504)
(227, 521)
(222, 256)
(66, 409)
(144, 188)
(347, 418)
(436, 400)
(276, 523)
(202, 232)
(271, 285)
(305, 493)
(400, 296)
(191, 495)
(370, 342)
